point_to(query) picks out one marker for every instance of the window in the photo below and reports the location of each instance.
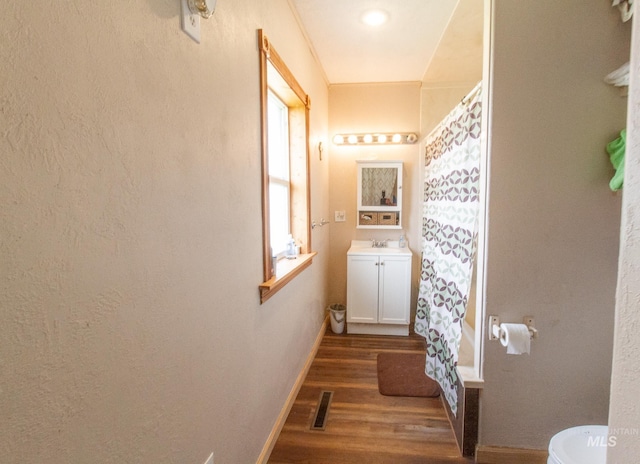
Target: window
(279, 186)
(285, 169)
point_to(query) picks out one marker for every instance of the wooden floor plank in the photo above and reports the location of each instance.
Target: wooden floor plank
(362, 425)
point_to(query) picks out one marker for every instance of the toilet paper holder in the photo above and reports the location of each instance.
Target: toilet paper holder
(495, 331)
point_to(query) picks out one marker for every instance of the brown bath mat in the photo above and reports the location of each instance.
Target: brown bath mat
(402, 374)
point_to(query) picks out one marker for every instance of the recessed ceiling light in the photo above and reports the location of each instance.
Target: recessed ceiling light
(374, 17)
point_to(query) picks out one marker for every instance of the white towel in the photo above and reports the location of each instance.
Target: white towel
(619, 77)
(625, 7)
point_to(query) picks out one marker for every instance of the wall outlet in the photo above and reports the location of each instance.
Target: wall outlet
(190, 23)
(209, 459)
(340, 216)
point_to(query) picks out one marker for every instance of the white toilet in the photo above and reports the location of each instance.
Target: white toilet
(586, 444)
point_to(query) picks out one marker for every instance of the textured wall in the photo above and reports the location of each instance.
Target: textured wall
(360, 108)
(553, 228)
(624, 411)
(456, 67)
(130, 234)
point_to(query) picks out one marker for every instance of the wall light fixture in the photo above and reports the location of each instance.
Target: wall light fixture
(376, 138)
(204, 8)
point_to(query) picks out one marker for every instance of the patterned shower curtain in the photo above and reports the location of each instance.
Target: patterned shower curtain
(449, 235)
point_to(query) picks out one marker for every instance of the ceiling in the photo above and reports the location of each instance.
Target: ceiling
(423, 40)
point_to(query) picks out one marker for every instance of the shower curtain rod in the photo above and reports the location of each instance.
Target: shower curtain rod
(467, 98)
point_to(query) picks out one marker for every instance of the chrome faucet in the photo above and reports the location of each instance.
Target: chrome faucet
(379, 243)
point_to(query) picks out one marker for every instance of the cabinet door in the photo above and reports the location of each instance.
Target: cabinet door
(395, 289)
(362, 289)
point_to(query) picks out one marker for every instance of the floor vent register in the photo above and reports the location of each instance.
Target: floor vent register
(322, 411)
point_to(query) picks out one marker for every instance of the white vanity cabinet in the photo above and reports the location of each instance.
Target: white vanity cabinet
(378, 289)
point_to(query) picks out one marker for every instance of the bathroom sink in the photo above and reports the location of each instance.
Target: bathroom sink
(383, 250)
(364, 247)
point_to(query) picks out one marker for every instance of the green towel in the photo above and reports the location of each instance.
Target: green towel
(615, 148)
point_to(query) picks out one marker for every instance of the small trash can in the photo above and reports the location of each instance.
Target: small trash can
(337, 313)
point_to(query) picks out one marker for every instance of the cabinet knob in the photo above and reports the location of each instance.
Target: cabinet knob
(382, 263)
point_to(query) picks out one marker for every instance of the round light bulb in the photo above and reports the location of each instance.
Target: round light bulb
(338, 140)
(353, 139)
(382, 138)
(396, 138)
(367, 138)
(374, 18)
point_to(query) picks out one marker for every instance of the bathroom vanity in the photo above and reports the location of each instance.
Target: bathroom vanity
(378, 288)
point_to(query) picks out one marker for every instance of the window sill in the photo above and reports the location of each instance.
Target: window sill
(286, 271)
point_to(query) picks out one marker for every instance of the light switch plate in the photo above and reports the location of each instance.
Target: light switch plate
(189, 22)
(339, 216)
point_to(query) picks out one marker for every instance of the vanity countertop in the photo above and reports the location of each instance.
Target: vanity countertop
(363, 247)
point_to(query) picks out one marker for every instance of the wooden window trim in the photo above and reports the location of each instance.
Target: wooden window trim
(289, 271)
(273, 282)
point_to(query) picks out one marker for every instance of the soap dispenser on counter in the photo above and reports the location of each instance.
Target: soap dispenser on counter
(402, 243)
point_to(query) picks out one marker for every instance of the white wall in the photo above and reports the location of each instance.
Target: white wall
(624, 415)
(456, 66)
(130, 234)
(553, 229)
(436, 102)
(362, 108)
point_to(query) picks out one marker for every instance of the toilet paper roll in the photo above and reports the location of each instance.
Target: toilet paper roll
(516, 338)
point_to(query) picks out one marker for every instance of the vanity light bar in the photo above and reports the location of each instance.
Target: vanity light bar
(376, 138)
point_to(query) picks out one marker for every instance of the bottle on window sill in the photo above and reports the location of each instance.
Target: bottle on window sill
(274, 263)
(291, 247)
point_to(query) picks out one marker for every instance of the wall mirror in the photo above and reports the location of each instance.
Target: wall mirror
(379, 195)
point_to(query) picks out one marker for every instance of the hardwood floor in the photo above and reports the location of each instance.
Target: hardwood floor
(363, 426)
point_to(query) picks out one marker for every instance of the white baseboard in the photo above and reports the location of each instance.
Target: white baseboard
(377, 329)
(282, 418)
